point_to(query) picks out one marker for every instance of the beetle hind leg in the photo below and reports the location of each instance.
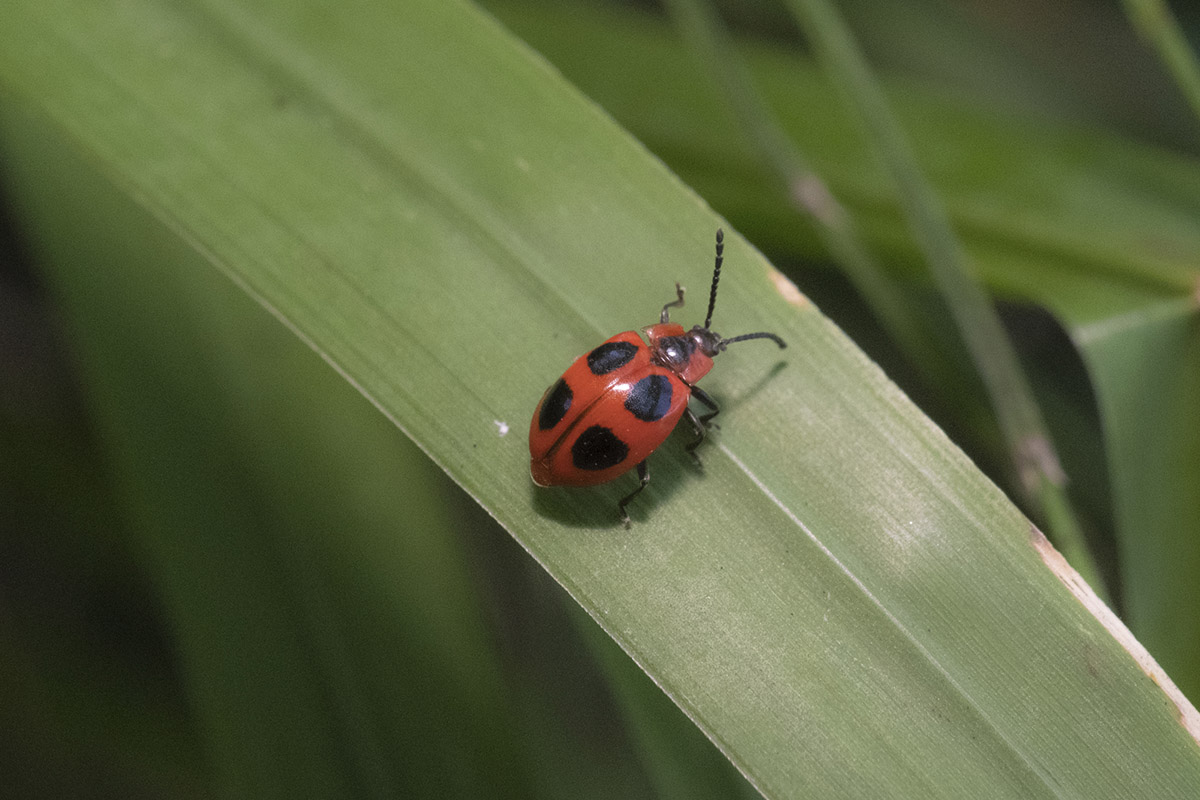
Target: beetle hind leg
(644, 476)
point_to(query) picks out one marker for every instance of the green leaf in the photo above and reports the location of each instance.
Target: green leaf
(1099, 231)
(840, 600)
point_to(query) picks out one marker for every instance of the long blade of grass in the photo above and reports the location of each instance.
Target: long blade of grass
(1097, 229)
(1030, 446)
(841, 601)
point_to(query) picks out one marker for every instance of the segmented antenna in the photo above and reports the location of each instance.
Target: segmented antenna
(712, 296)
(782, 344)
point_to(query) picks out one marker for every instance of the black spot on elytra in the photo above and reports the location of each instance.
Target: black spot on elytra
(598, 448)
(609, 356)
(555, 405)
(650, 398)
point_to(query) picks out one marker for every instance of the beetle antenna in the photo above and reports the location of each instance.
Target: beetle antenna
(712, 296)
(782, 344)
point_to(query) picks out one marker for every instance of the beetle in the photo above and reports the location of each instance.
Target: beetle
(617, 403)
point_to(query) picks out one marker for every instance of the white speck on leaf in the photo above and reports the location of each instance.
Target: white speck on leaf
(501, 427)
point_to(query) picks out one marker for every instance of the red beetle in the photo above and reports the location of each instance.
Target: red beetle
(616, 404)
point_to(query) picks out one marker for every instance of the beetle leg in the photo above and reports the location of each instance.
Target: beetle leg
(698, 427)
(676, 303)
(704, 398)
(702, 423)
(644, 476)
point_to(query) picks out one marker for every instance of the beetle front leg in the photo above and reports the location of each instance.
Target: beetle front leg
(665, 316)
(644, 476)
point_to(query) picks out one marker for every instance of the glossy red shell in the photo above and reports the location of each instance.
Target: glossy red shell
(603, 400)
